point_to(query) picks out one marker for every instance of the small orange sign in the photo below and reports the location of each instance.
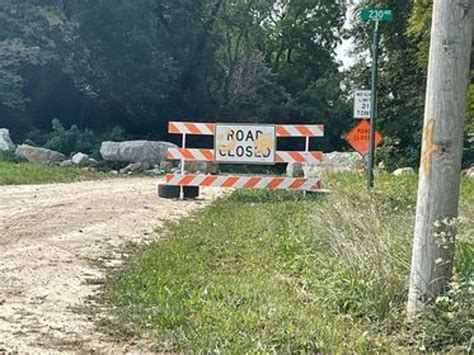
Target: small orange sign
(359, 137)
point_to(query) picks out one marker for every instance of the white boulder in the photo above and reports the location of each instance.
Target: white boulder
(66, 163)
(470, 172)
(6, 143)
(39, 155)
(81, 160)
(404, 171)
(151, 152)
(136, 168)
(338, 162)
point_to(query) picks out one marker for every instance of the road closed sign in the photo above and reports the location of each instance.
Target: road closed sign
(359, 137)
(237, 143)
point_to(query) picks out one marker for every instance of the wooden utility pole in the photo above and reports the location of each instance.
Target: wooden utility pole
(440, 168)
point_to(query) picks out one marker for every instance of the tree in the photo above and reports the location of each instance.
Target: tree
(35, 37)
(438, 192)
(419, 30)
(401, 83)
(141, 63)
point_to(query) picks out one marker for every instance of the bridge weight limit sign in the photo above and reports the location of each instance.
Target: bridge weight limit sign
(362, 104)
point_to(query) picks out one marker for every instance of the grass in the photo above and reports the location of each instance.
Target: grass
(272, 272)
(26, 173)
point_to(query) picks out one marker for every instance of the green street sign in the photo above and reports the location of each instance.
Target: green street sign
(376, 15)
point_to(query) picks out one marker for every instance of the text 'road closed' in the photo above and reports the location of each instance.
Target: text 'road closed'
(245, 144)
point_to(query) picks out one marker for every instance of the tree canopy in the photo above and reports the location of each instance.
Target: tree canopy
(139, 63)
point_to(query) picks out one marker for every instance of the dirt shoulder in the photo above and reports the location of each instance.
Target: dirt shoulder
(50, 237)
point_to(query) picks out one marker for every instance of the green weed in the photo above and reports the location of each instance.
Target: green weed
(26, 173)
(273, 272)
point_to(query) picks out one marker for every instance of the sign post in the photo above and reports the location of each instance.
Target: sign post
(375, 15)
(373, 107)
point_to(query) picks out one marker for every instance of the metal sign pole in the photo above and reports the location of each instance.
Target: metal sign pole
(305, 164)
(373, 109)
(183, 168)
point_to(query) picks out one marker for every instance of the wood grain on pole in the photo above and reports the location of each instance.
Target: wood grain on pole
(440, 168)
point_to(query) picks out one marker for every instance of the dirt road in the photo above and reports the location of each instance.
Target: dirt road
(51, 237)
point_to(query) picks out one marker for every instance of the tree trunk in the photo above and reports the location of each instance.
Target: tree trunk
(438, 191)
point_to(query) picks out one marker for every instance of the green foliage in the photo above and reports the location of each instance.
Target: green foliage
(448, 325)
(273, 272)
(226, 60)
(419, 28)
(32, 36)
(10, 157)
(73, 140)
(26, 173)
(401, 82)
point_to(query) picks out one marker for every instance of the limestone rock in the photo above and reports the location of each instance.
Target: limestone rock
(135, 168)
(151, 152)
(39, 155)
(404, 171)
(81, 160)
(470, 172)
(6, 143)
(168, 165)
(338, 162)
(66, 163)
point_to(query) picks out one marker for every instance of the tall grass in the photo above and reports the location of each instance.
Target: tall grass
(270, 271)
(26, 173)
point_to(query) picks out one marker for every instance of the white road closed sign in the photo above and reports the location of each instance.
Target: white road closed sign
(362, 104)
(239, 143)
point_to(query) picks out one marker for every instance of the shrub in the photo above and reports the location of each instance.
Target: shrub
(73, 140)
(10, 157)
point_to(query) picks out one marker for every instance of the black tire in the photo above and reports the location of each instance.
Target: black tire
(173, 192)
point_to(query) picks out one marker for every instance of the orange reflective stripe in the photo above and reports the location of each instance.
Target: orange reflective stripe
(318, 155)
(186, 180)
(230, 181)
(304, 130)
(297, 184)
(281, 131)
(208, 181)
(186, 153)
(211, 127)
(172, 128)
(192, 128)
(208, 154)
(296, 156)
(274, 183)
(252, 182)
(169, 177)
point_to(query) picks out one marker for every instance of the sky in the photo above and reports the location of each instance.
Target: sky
(343, 50)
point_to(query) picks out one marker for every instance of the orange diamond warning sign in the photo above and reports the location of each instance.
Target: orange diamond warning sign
(359, 137)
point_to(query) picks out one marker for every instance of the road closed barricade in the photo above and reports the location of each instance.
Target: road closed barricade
(241, 144)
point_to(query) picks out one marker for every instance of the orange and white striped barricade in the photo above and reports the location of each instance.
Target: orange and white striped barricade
(245, 144)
